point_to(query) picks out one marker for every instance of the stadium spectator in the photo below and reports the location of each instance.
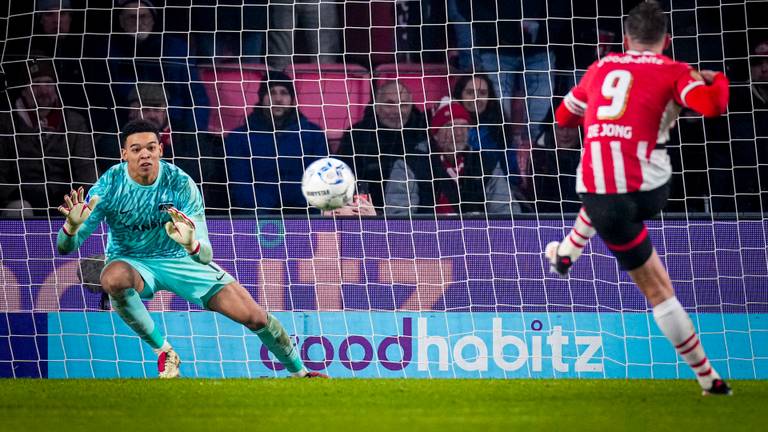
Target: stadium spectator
(55, 37)
(53, 24)
(736, 148)
(476, 94)
(316, 20)
(389, 129)
(147, 101)
(421, 34)
(759, 69)
(45, 150)
(508, 41)
(266, 157)
(451, 178)
(237, 33)
(142, 52)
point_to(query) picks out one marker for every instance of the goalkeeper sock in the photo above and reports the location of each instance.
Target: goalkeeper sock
(573, 245)
(677, 326)
(130, 308)
(276, 339)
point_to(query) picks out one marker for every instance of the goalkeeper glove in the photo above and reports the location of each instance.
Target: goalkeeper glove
(181, 229)
(76, 210)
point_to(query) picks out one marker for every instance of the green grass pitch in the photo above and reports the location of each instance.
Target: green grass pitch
(377, 405)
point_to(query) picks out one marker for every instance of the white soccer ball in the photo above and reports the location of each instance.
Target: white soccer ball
(328, 184)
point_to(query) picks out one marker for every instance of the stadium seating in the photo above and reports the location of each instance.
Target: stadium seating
(333, 96)
(232, 90)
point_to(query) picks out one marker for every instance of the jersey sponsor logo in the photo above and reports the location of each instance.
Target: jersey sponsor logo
(626, 59)
(143, 227)
(165, 206)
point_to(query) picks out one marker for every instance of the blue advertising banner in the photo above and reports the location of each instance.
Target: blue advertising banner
(412, 345)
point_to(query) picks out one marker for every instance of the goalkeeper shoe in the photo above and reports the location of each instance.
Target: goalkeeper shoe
(558, 264)
(168, 364)
(719, 387)
(313, 374)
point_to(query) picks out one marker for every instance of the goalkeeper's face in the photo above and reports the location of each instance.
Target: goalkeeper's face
(142, 151)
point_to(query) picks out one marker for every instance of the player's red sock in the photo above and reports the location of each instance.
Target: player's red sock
(677, 326)
(582, 231)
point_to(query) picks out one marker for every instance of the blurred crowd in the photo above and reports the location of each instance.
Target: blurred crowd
(72, 75)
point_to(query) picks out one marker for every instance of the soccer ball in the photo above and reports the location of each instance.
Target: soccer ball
(328, 184)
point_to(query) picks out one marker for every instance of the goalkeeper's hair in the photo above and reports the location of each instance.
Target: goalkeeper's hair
(646, 23)
(138, 126)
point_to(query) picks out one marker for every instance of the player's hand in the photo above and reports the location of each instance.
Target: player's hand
(708, 75)
(76, 210)
(181, 229)
(360, 206)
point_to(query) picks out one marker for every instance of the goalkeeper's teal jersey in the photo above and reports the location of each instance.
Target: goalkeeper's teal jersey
(136, 214)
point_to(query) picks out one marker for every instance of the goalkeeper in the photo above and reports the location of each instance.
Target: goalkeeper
(158, 240)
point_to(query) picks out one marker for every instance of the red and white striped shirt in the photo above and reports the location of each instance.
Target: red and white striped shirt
(629, 102)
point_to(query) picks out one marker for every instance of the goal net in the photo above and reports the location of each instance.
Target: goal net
(441, 274)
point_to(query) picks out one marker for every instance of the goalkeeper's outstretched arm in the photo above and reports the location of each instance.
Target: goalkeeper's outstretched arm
(187, 226)
(80, 220)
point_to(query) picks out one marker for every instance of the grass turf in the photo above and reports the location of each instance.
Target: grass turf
(373, 405)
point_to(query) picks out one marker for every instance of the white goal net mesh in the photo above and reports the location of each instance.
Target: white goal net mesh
(442, 275)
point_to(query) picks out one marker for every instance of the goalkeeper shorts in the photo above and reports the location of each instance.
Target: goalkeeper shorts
(618, 218)
(195, 282)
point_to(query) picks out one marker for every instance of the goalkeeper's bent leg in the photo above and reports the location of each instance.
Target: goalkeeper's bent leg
(276, 339)
(234, 302)
(119, 279)
(128, 305)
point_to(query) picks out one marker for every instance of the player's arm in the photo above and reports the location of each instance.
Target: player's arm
(706, 92)
(570, 113)
(188, 227)
(82, 218)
